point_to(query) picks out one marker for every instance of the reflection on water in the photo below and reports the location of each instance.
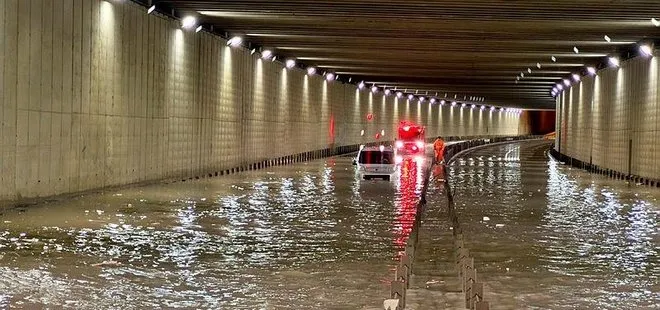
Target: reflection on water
(306, 236)
(553, 237)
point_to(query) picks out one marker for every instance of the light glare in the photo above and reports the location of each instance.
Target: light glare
(290, 63)
(188, 22)
(646, 50)
(614, 61)
(235, 41)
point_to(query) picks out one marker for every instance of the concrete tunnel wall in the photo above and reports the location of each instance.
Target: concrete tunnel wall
(98, 93)
(611, 120)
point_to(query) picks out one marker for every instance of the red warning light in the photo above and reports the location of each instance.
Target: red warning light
(378, 136)
(370, 116)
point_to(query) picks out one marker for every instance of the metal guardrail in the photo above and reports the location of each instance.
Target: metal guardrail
(467, 273)
(611, 173)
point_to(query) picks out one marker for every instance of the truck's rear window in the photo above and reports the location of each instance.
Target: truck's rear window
(376, 157)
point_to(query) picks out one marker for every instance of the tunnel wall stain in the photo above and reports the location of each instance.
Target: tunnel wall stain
(611, 120)
(98, 93)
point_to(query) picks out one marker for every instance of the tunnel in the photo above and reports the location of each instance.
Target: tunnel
(329, 154)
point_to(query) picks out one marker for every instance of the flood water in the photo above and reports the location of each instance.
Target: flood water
(304, 236)
(548, 236)
(312, 236)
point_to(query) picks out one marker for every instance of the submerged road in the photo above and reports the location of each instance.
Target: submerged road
(313, 236)
(543, 235)
(303, 236)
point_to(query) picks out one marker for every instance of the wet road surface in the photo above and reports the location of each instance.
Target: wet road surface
(312, 236)
(548, 236)
(304, 236)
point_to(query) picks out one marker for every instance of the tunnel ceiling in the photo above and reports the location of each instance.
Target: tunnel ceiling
(464, 48)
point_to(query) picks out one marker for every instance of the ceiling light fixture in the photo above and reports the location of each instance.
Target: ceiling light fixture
(576, 77)
(553, 58)
(655, 22)
(591, 70)
(614, 61)
(575, 49)
(290, 63)
(388, 92)
(235, 41)
(266, 54)
(646, 50)
(399, 94)
(330, 76)
(188, 22)
(607, 38)
(529, 70)
(151, 9)
(311, 71)
(538, 65)
(361, 85)
(567, 82)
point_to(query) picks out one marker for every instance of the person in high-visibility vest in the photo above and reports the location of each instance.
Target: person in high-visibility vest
(439, 149)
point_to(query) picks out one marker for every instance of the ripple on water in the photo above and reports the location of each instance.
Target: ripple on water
(591, 242)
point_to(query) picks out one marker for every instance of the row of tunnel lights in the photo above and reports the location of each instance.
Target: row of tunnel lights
(644, 50)
(190, 22)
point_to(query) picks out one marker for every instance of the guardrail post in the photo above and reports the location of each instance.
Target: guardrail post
(482, 305)
(398, 291)
(470, 279)
(477, 294)
(401, 274)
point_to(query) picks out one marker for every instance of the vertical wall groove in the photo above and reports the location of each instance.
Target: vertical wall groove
(613, 124)
(98, 93)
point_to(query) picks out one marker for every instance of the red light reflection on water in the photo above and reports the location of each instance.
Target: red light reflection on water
(407, 207)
